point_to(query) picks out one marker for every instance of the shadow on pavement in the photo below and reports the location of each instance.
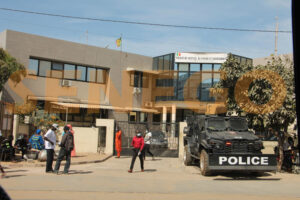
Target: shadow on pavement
(150, 170)
(155, 159)
(79, 172)
(20, 170)
(247, 177)
(12, 176)
(123, 157)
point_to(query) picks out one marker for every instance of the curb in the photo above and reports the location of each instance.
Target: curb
(72, 163)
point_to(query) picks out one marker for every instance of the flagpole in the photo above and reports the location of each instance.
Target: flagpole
(121, 42)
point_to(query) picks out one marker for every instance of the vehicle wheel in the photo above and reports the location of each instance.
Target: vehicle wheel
(204, 163)
(187, 158)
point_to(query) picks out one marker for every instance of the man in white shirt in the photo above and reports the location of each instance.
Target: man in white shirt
(147, 139)
(50, 142)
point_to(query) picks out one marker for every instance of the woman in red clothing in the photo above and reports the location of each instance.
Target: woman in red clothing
(138, 145)
(73, 152)
(118, 142)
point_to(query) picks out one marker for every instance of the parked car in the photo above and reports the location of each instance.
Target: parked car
(159, 140)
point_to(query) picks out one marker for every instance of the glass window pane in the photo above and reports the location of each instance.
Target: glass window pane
(91, 74)
(45, 68)
(132, 117)
(217, 67)
(101, 74)
(69, 72)
(195, 67)
(81, 72)
(183, 67)
(182, 78)
(175, 66)
(33, 66)
(155, 63)
(57, 70)
(161, 63)
(216, 78)
(206, 67)
(167, 62)
(143, 117)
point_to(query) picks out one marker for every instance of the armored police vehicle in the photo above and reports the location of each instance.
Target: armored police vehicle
(224, 144)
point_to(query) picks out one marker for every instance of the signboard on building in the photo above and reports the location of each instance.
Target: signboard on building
(200, 57)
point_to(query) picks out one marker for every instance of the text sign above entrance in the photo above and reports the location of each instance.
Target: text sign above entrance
(200, 57)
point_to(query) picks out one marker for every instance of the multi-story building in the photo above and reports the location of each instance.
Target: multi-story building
(83, 83)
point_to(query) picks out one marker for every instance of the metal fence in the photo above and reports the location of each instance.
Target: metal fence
(6, 118)
(169, 132)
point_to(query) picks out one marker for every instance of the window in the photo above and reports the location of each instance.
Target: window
(132, 117)
(45, 68)
(217, 67)
(143, 117)
(69, 71)
(57, 70)
(156, 118)
(33, 67)
(81, 73)
(101, 76)
(167, 62)
(137, 117)
(155, 63)
(161, 63)
(206, 67)
(138, 79)
(195, 67)
(183, 67)
(91, 74)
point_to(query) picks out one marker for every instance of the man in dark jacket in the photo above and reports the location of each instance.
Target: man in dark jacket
(67, 145)
(138, 145)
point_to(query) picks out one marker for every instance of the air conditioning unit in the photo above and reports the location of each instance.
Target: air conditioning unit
(66, 83)
(149, 104)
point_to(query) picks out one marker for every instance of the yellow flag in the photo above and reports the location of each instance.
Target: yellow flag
(119, 42)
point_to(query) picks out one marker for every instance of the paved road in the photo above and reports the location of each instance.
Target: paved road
(164, 178)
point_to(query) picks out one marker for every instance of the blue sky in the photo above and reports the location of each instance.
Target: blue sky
(154, 41)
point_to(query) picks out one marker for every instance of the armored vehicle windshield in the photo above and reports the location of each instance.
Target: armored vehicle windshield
(238, 124)
(216, 124)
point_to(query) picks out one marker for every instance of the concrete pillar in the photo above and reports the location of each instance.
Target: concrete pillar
(173, 120)
(164, 119)
(181, 142)
(109, 124)
(15, 127)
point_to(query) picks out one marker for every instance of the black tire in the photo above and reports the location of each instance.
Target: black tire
(204, 163)
(187, 158)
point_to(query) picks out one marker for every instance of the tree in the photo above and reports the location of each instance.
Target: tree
(272, 99)
(10, 69)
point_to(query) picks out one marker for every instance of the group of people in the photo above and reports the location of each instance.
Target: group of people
(140, 144)
(66, 148)
(48, 142)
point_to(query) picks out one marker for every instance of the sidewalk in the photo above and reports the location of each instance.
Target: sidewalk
(80, 158)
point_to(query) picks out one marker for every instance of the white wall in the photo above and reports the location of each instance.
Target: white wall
(86, 139)
(109, 124)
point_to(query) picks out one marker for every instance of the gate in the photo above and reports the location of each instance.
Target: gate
(164, 137)
(6, 118)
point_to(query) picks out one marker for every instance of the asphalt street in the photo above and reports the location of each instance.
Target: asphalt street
(164, 178)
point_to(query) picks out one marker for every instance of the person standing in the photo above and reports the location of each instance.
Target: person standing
(50, 142)
(67, 145)
(148, 139)
(73, 152)
(138, 145)
(118, 142)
